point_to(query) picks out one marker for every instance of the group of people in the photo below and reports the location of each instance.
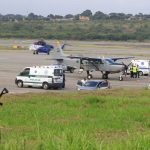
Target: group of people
(134, 71)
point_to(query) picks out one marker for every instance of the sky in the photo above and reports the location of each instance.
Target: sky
(64, 7)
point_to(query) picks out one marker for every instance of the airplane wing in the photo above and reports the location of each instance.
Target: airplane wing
(85, 58)
(118, 58)
(98, 59)
(58, 59)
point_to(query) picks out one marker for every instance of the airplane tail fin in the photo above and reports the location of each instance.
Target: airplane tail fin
(58, 51)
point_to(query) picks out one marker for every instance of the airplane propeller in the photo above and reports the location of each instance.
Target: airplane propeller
(125, 68)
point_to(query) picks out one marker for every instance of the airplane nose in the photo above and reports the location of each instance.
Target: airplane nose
(123, 67)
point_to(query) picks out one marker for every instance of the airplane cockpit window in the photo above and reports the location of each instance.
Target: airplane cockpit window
(109, 61)
(97, 61)
(101, 61)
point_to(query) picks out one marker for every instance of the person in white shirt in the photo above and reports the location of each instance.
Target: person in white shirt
(83, 81)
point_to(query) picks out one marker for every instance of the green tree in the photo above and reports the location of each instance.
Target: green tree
(58, 17)
(32, 16)
(87, 13)
(99, 15)
(69, 16)
(51, 16)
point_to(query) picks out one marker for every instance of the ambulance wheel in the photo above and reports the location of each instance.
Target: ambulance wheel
(89, 76)
(19, 83)
(140, 73)
(47, 53)
(36, 52)
(45, 86)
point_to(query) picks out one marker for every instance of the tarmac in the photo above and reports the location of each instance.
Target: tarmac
(13, 61)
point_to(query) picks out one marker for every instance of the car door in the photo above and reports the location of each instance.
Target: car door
(35, 80)
(25, 76)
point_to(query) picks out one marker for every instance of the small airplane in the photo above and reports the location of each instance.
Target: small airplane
(105, 65)
(41, 47)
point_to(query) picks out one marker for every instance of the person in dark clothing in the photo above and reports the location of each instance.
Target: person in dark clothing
(131, 71)
(138, 74)
(63, 81)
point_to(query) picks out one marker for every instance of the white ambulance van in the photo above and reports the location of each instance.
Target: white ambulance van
(144, 66)
(41, 76)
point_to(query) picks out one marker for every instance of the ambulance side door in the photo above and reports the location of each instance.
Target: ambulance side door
(35, 80)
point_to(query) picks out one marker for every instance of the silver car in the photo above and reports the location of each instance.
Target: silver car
(93, 85)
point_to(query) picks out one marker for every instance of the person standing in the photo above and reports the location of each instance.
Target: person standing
(83, 81)
(134, 71)
(131, 71)
(138, 74)
(63, 86)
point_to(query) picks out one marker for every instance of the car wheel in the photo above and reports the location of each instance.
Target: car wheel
(36, 52)
(47, 53)
(19, 83)
(45, 86)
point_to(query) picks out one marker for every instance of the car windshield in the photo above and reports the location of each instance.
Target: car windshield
(91, 84)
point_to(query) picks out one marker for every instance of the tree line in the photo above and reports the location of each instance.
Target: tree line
(88, 13)
(113, 26)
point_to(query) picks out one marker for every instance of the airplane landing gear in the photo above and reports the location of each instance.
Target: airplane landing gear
(89, 76)
(120, 78)
(105, 76)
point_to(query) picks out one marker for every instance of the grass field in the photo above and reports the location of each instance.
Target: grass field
(116, 119)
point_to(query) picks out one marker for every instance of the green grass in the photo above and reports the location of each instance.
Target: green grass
(107, 119)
